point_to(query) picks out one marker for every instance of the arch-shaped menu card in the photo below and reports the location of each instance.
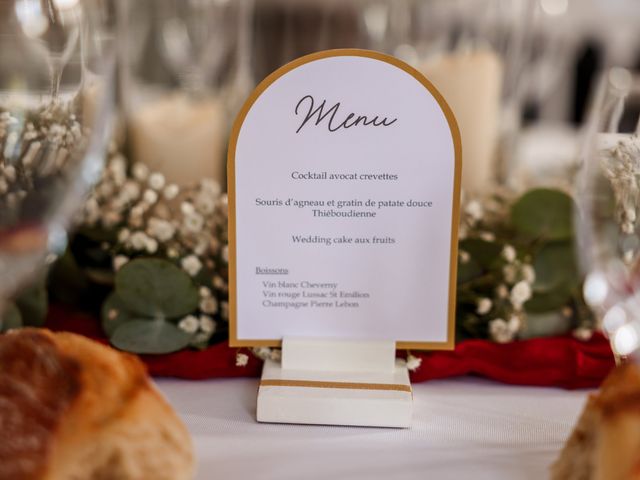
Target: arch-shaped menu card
(344, 182)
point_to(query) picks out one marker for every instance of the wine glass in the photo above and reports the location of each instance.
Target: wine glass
(56, 81)
(608, 196)
(475, 53)
(185, 73)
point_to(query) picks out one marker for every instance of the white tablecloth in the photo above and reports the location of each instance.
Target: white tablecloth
(465, 428)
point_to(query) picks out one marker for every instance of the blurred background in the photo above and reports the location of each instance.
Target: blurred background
(519, 74)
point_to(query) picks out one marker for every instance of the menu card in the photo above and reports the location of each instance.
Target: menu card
(344, 183)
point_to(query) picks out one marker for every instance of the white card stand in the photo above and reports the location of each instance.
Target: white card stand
(336, 382)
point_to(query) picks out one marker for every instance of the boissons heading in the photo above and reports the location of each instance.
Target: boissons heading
(319, 114)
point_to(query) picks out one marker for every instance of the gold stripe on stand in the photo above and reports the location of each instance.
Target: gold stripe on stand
(342, 385)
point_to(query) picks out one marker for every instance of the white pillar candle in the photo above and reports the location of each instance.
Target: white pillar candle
(181, 137)
(471, 83)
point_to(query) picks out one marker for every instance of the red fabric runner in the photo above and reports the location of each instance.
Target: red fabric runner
(556, 361)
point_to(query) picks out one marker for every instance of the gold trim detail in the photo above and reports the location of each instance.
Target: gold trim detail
(340, 385)
(234, 341)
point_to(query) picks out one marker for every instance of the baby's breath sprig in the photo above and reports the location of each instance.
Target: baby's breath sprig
(151, 217)
(36, 147)
(517, 268)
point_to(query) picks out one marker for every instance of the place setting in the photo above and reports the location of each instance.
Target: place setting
(359, 239)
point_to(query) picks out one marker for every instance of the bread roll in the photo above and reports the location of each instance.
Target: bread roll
(73, 409)
(605, 443)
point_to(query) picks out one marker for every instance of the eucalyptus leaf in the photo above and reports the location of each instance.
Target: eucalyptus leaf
(484, 253)
(10, 318)
(548, 301)
(544, 213)
(114, 313)
(556, 267)
(150, 337)
(153, 287)
(545, 325)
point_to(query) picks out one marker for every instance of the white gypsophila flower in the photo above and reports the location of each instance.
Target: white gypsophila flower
(160, 229)
(567, 312)
(204, 203)
(242, 360)
(135, 222)
(224, 310)
(502, 291)
(140, 171)
(225, 253)
(156, 181)
(191, 264)
(509, 272)
(201, 247)
(118, 169)
(150, 196)
(193, 222)
(171, 191)
(275, 355)
(151, 245)
(263, 353)
(514, 324)
(509, 253)
(119, 261)
(205, 292)
(219, 283)
(105, 189)
(474, 210)
(172, 252)
(207, 325)
(137, 212)
(484, 306)
(210, 186)
(413, 363)
(520, 293)
(209, 305)
(464, 256)
(138, 240)
(189, 324)
(487, 236)
(630, 213)
(131, 190)
(499, 331)
(628, 228)
(123, 235)
(628, 257)
(582, 333)
(10, 173)
(92, 208)
(187, 208)
(528, 273)
(111, 218)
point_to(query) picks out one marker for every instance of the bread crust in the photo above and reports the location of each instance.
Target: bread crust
(73, 409)
(605, 443)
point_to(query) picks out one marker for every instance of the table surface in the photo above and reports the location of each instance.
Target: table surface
(462, 428)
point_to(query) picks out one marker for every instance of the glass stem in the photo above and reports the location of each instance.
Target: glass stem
(55, 74)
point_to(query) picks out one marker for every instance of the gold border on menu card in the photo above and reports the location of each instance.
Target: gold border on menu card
(234, 341)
